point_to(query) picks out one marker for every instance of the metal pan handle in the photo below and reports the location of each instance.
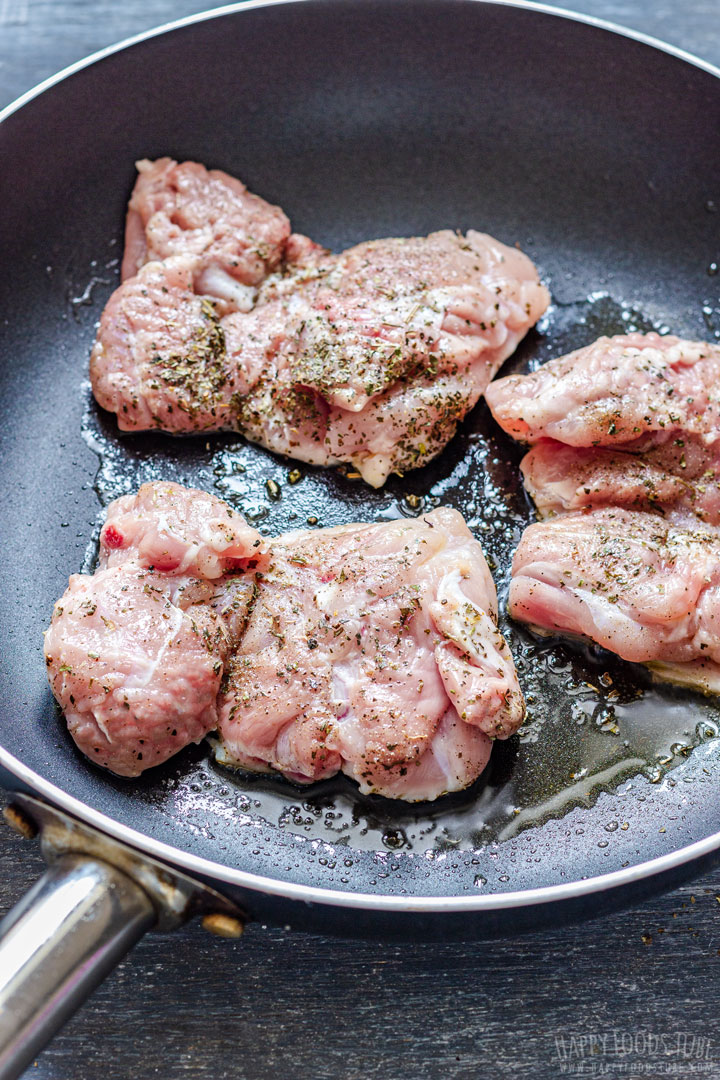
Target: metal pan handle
(95, 901)
(57, 944)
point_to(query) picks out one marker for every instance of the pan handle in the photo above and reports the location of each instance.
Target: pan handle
(57, 944)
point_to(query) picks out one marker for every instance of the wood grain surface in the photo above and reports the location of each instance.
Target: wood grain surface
(631, 995)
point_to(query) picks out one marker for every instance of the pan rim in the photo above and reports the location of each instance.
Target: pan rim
(252, 5)
(274, 887)
(311, 894)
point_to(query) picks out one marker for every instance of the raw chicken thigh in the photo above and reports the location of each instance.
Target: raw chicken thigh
(680, 478)
(628, 429)
(371, 357)
(646, 589)
(631, 389)
(371, 649)
(235, 237)
(136, 652)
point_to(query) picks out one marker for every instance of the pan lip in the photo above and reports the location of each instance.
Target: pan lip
(253, 5)
(273, 887)
(378, 902)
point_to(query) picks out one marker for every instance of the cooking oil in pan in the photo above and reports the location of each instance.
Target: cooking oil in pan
(593, 720)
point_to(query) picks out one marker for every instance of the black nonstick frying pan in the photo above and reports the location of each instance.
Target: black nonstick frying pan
(599, 155)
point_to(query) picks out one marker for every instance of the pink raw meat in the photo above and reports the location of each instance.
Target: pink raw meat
(373, 649)
(135, 654)
(368, 648)
(630, 389)
(234, 237)
(680, 477)
(644, 588)
(371, 357)
(177, 530)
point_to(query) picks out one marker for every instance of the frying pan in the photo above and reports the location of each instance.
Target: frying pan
(597, 152)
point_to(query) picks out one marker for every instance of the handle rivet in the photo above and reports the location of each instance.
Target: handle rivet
(221, 925)
(18, 820)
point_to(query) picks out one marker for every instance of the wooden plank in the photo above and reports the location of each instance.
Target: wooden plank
(642, 987)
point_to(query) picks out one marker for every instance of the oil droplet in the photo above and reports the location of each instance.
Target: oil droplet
(395, 839)
(255, 512)
(412, 505)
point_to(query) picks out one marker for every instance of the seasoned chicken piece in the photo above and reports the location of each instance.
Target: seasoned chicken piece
(371, 357)
(646, 589)
(135, 673)
(234, 237)
(177, 530)
(160, 358)
(382, 311)
(630, 389)
(369, 648)
(373, 649)
(136, 652)
(681, 478)
(627, 422)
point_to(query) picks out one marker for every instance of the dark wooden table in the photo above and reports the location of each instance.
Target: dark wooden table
(631, 995)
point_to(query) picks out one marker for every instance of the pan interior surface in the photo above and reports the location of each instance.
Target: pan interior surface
(597, 155)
